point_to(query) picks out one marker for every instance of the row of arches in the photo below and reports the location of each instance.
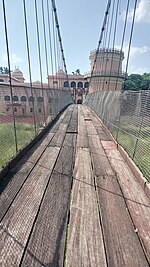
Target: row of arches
(23, 98)
(76, 85)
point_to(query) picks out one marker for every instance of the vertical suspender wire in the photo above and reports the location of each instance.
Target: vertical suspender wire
(10, 80)
(104, 54)
(59, 37)
(109, 37)
(29, 61)
(58, 58)
(50, 39)
(127, 63)
(45, 43)
(122, 43)
(39, 53)
(100, 39)
(45, 46)
(54, 44)
(114, 38)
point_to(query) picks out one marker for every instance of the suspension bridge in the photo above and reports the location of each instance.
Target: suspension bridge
(74, 180)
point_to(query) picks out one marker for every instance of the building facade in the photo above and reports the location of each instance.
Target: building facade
(76, 84)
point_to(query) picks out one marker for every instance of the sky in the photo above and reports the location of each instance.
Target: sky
(80, 25)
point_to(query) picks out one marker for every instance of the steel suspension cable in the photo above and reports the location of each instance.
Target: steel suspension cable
(130, 40)
(54, 44)
(45, 43)
(39, 54)
(123, 37)
(128, 55)
(114, 38)
(109, 37)
(50, 39)
(10, 80)
(101, 37)
(59, 38)
(29, 60)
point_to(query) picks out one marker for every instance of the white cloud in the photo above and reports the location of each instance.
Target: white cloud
(138, 62)
(14, 59)
(142, 12)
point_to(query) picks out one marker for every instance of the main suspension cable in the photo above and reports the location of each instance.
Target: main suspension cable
(60, 39)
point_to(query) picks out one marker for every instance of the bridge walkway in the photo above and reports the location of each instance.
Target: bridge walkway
(72, 201)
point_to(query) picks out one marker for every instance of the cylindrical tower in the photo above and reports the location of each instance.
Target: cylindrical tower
(107, 73)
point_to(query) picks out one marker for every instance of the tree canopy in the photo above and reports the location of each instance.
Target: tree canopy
(4, 70)
(136, 82)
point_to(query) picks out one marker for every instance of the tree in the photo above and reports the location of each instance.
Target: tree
(4, 70)
(77, 72)
(1, 70)
(137, 82)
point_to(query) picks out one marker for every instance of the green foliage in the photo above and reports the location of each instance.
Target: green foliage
(25, 132)
(137, 82)
(4, 70)
(77, 72)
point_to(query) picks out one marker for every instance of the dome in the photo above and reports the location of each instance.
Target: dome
(16, 73)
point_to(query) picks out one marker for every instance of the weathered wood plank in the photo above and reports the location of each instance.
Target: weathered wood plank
(73, 124)
(82, 140)
(13, 181)
(47, 242)
(137, 201)
(85, 243)
(17, 223)
(121, 242)
(47, 248)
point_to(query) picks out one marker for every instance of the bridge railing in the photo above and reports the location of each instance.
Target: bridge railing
(127, 116)
(24, 113)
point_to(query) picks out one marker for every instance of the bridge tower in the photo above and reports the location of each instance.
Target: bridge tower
(107, 75)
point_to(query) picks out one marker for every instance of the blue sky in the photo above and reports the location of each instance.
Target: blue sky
(80, 24)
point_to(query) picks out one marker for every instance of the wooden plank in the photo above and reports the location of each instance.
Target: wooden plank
(85, 242)
(136, 199)
(73, 124)
(47, 248)
(121, 242)
(13, 181)
(47, 242)
(18, 222)
(82, 140)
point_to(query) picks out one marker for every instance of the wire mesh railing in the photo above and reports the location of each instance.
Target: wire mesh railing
(127, 116)
(24, 114)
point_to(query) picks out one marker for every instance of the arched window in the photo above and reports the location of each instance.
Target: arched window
(55, 82)
(73, 84)
(66, 84)
(15, 98)
(7, 98)
(31, 99)
(15, 109)
(31, 110)
(1, 80)
(23, 98)
(80, 85)
(86, 85)
(40, 111)
(39, 99)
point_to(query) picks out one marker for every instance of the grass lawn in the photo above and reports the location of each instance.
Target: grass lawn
(25, 132)
(128, 138)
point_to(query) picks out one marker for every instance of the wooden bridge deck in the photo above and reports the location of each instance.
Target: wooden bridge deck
(72, 201)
